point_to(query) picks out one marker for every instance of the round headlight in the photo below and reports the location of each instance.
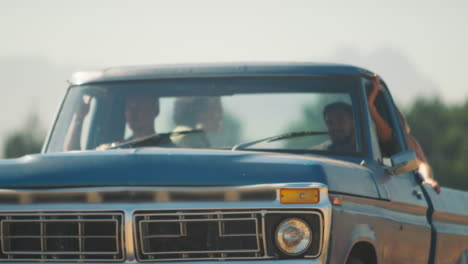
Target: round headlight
(293, 236)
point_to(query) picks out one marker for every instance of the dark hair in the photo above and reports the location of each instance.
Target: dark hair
(145, 95)
(338, 105)
(186, 109)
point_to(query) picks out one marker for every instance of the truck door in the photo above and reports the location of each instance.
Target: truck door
(406, 234)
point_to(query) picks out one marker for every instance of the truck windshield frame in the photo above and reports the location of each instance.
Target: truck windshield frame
(224, 87)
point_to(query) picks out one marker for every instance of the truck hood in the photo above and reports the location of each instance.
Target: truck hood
(156, 167)
(179, 167)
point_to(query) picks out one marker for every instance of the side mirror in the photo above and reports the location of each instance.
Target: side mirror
(404, 162)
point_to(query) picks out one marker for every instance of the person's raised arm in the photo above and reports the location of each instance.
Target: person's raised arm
(383, 129)
(72, 141)
(385, 135)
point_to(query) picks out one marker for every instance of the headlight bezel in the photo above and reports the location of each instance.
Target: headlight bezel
(278, 231)
(314, 218)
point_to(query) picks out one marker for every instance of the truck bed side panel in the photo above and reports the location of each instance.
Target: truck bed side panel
(450, 220)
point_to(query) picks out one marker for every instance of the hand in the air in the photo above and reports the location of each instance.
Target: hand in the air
(83, 108)
(375, 90)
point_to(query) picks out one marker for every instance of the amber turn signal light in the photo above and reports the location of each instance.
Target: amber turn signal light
(336, 200)
(299, 196)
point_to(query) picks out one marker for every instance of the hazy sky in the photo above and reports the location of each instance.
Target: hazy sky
(415, 45)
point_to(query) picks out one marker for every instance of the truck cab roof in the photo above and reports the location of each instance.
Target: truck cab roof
(172, 71)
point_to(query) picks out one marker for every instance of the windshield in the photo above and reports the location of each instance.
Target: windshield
(302, 114)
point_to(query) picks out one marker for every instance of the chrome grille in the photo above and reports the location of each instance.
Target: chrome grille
(199, 236)
(61, 236)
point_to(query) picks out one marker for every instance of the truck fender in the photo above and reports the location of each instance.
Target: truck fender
(362, 238)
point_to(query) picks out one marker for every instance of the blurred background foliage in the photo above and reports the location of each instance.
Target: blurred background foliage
(440, 128)
(442, 131)
(26, 140)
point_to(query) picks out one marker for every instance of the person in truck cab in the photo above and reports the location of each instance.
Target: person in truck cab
(140, 113)
(387, 139)
(191, 113)
(339, 120)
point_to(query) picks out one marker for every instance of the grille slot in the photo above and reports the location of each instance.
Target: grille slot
(199, 236)
(61, 236)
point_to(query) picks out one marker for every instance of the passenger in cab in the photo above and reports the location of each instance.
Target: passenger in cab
(203, 113)
(387, 139)
(140, 113)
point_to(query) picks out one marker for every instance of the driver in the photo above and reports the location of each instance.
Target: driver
(140, 113)
(340, 124)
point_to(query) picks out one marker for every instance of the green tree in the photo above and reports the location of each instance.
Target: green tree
(441, 130)
(25, 141)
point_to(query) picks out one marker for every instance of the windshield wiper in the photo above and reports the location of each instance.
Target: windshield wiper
(153, 140)
(278, 137)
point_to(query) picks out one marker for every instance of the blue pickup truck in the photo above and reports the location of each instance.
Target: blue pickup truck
(239, 163)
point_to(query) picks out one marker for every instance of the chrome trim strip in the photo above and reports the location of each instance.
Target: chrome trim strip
(80, 233)
(128, 243)
(195, 189)
(265, 253)
(42, 231)
(96, 195)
